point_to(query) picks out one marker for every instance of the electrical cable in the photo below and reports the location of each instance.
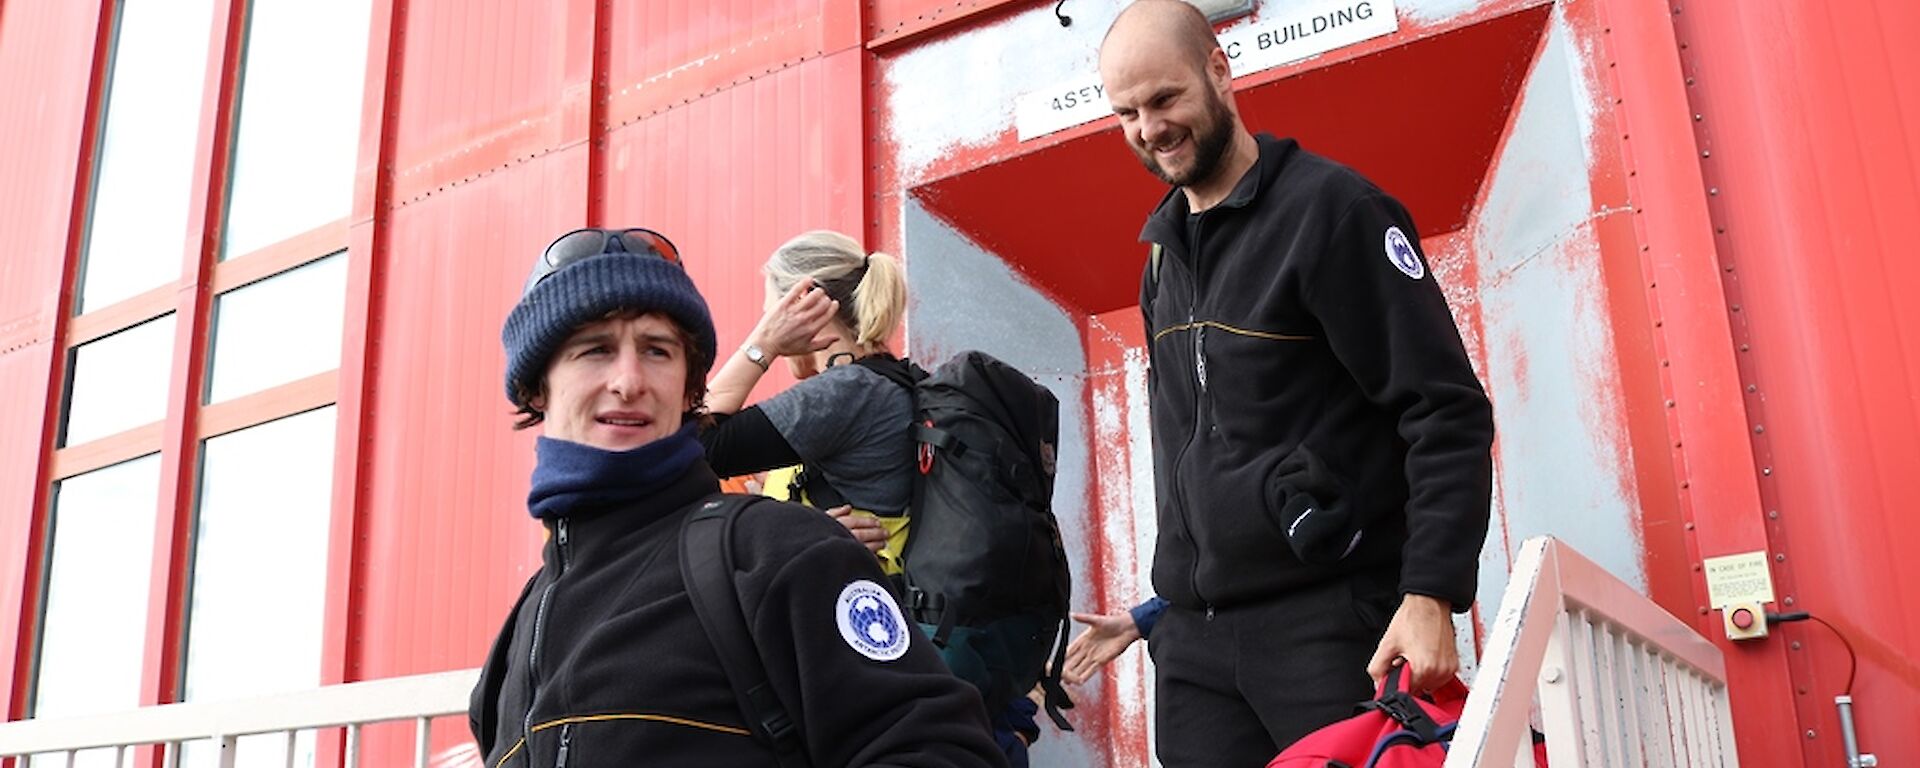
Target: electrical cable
(1853, 659)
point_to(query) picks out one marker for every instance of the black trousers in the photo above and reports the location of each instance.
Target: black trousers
(1237, 685)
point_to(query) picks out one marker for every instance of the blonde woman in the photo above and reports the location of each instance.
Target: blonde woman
(832, 309)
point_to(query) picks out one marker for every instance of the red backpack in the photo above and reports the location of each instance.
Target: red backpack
(1395, 730)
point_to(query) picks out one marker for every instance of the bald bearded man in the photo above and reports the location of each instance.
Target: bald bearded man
(1322, 448)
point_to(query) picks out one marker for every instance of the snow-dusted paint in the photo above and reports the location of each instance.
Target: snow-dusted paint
(959, 92)
(1564, 456)
(1123, 465)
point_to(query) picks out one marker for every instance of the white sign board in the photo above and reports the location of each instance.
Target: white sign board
(1291, 34)
(1742, 578)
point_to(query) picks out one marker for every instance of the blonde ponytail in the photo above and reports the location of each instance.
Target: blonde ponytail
(879, 301)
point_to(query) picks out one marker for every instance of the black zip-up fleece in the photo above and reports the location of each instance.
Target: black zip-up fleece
(603, 662)
(1283, 337)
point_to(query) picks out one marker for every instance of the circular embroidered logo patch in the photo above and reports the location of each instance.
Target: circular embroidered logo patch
(1400, 252)
(871, 621)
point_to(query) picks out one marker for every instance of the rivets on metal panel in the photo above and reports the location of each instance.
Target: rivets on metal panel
(1810, 733)
(1669, 403)
(1706, 153)
(1715, 191)
(1788, 601)
(1696, 567)
(1773, 514)
(1735, 307)
(1689, 526)
(1689, 81)
(1703, 610)
(1752, 388)
(1685, 485)
(1768, 471)
(1744, 348)
(1780, 557)
(1697, 117)
(1552, 675)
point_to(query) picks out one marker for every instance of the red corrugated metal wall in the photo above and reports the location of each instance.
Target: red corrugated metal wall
(483, 175)
(729, 135)
(733, 125)
(732, 133)
(1809, 136)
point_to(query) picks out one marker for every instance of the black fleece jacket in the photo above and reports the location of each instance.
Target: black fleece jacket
(603, 661)
(1302, 357)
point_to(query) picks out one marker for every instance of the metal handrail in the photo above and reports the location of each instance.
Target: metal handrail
(419, 698)
(1619, 680)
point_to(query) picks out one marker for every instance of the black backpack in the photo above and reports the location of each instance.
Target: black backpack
(986, 574)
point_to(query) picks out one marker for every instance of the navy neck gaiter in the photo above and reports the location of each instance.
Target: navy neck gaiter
(570, 478)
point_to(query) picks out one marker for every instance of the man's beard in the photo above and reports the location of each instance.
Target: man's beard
(1209, 146)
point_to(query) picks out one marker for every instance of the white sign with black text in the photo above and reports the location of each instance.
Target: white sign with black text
(1292, 34)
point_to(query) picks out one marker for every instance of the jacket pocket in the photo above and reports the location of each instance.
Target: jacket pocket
(1313, 507)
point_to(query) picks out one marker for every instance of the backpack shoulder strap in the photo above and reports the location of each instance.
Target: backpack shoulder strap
(1053, 693)
(897, 370)
(810, 487)
(706, 565)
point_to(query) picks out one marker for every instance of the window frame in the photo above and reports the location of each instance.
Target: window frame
(179, 437)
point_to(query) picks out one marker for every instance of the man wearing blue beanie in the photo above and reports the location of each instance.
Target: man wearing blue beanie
(604, 660)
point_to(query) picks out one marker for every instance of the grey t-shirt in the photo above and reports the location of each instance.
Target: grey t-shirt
(850, 424)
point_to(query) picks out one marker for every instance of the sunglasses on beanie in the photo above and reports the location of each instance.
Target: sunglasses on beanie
(583, 243)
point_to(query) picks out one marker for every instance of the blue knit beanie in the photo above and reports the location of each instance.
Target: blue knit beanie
(589, 289)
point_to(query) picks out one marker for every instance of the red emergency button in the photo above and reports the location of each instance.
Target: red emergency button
(1743, 618)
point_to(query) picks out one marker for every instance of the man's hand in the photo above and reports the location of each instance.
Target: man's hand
(1421, 633)
(1107, 636)
(865, 528)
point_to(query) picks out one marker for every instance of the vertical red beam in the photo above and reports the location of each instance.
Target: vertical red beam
(599, 81)
(1711, 452)
(343, 620)
(165, 663)
(17, 663)
(367, 246)
(850, 107)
